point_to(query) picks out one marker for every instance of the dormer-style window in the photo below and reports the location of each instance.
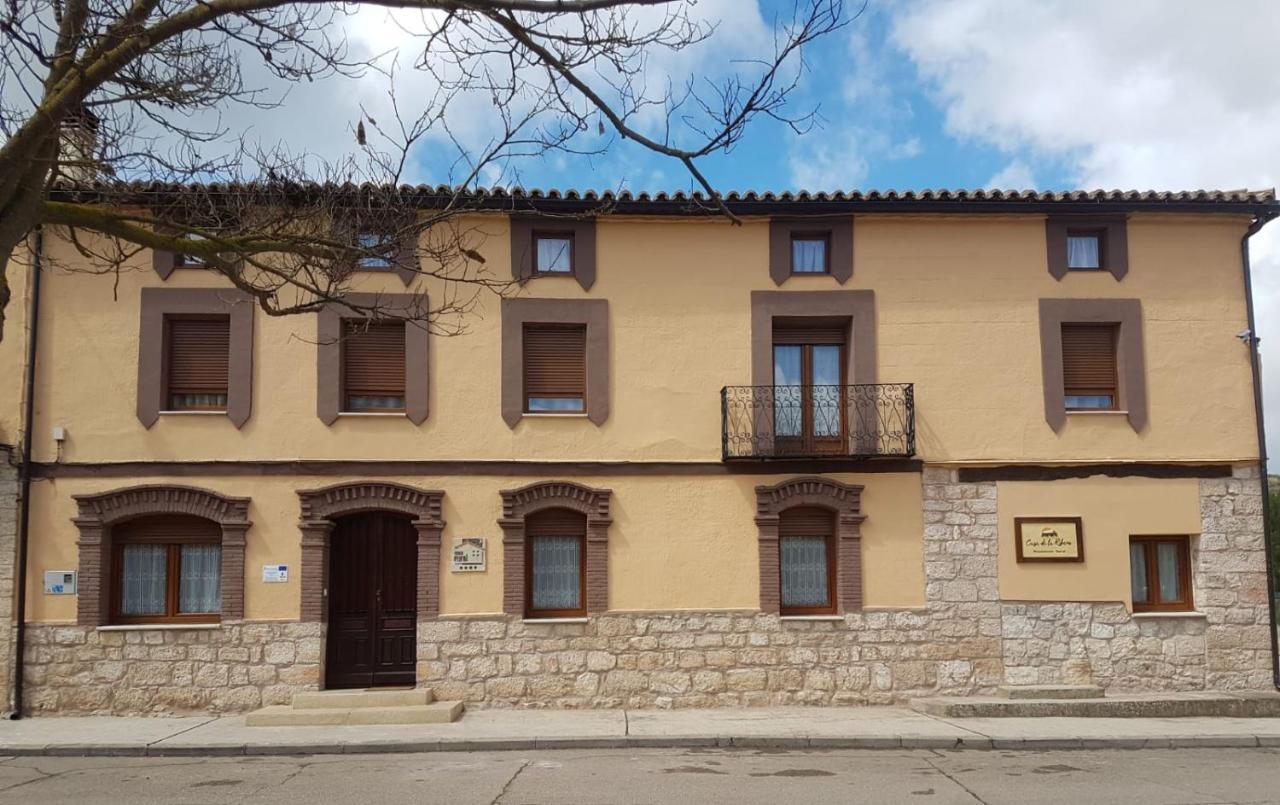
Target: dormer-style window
(181, 260)
(376, 249)
(553, 253)
(1084, 250)
(809, 253)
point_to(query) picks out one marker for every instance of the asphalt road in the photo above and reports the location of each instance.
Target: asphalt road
(741, 777)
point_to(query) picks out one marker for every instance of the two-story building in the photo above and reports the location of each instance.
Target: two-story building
(859, 448)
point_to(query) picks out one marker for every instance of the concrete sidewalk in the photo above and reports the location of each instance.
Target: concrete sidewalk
(792, 727)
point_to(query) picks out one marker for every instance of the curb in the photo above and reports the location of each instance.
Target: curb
(644, 742)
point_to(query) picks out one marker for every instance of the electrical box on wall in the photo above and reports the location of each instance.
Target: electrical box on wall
(60, 582)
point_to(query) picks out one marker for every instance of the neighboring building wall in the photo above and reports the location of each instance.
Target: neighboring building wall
(8, 573)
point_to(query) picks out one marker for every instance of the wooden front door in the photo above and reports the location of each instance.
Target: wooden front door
(373, 616)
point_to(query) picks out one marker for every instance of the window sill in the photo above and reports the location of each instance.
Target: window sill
(160, 627)
(812, 617)
(536, 621)
(342, 414)
(556, 414)
(1099, 412)
(1190, 614)
(193, 413)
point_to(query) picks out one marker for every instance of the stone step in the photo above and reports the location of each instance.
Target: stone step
(283, 715)
(1051, 692)
(367, 697)
(1250, 704)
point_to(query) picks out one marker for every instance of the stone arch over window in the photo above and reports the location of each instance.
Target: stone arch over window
(517, 504)
(100, 513)
(320, 507)
(845, 500)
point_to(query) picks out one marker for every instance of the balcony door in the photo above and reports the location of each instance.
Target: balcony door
(809, 362)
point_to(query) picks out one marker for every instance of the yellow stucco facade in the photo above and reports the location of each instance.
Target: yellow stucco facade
(956, 312)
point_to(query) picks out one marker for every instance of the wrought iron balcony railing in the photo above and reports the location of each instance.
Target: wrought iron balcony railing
(761, 422)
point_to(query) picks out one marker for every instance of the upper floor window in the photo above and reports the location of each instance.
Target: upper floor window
(555, 368)
(1089, 378)
(376, 250)
(1160, 574)
(373, 366)
(197, 357)
(553, 253)
(167, 568)
(181, 260)
(1087, 243)
(1085, 250)
(809, 253)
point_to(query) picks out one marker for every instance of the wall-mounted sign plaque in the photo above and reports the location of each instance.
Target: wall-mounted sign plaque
(1049, 539)
(468, 554)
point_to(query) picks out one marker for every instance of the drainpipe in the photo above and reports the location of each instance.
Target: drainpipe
(1255, 364)
(24, 478)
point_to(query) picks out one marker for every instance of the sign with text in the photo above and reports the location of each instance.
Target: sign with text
(468, 554)
(1049, 539)
(275, 574)
(59, 582)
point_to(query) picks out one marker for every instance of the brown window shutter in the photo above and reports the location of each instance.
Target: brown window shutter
(1089, 359)
(806, 521)
(198, 356)
(816, 332)
(168, 528)
(373, 362)
(556, 523)
(555, 362)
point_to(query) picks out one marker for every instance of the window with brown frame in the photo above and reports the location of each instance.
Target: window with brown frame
(555, 368)
(1089, 377)
(1160, 574)
(197, 356)
(373, 366)
(553, 253)
(555, 564)
(807, 561)
(1086, 249)
(810, 252)
(376, 248)
(166, 569)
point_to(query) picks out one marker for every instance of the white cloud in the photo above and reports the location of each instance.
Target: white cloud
(1014, 176)
(1135, 94)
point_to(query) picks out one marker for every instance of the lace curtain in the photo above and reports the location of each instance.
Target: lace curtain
(200, 585)
(557, 568)
(804, 571)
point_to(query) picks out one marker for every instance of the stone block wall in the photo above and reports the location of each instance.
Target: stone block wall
(1226, 648)
(232, 669)
(965, 640)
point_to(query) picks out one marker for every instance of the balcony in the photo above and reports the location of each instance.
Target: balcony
(788, 422)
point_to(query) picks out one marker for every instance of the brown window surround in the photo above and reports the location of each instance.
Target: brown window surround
(329, 328)
(838, 233)
(582, 231)
(1126, 315)
(403, 257)
(164, 263)
(99, 515)
(844, 501)
(1113, 242)
(159, 304)
(854, 310)
(1145, 550)
(320, 507)
(518, 504)
(516, 313)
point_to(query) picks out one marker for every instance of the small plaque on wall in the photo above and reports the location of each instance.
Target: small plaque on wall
(468, 554)
(1049, 539)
